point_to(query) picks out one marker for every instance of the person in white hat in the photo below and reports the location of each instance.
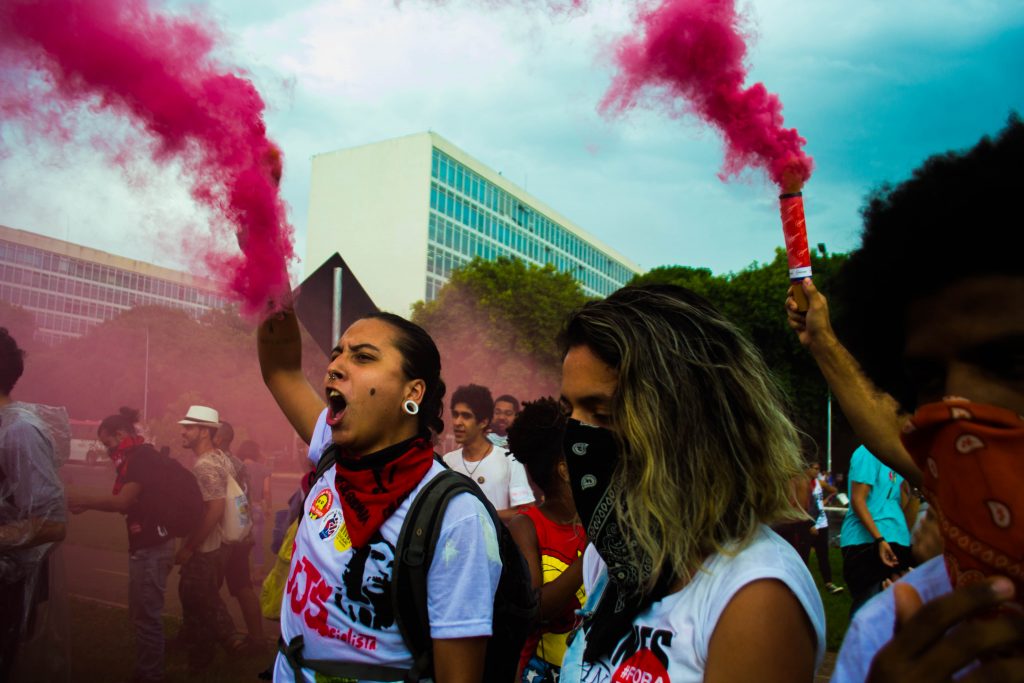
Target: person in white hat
(205, 619)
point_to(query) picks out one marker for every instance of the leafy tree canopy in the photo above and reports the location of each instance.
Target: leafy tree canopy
(163, 359)
(496, 322)
(754, 299)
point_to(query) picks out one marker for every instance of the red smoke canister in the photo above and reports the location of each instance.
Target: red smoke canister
(794, 227)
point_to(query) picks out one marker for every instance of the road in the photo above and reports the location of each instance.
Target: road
(101, 574)
(95, 552)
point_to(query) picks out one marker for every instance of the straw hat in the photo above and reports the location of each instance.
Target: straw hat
(201, 416)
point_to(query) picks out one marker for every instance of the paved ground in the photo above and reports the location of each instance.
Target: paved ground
(102, 575)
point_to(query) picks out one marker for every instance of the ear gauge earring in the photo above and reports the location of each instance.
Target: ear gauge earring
(411, 407)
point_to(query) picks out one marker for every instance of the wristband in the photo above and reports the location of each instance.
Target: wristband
(879, 540)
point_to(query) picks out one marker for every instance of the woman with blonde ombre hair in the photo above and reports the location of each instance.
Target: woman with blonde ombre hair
(680, 455)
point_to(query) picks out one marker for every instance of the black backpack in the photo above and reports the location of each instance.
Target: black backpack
(516, 602)
(172, 499)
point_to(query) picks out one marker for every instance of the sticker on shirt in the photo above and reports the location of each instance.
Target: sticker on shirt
(342, 541)
(366, 583)
(331, 524)
(321, 504)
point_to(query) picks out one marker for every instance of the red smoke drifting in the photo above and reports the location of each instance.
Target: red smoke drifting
(158, 70)
(694, 49)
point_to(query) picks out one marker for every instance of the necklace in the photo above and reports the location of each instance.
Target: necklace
(466, 466)
(480, 479)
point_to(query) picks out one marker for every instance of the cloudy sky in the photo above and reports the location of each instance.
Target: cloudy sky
(874, 87)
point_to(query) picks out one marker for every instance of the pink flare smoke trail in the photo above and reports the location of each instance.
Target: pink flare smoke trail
(694, 49)
(158, 71)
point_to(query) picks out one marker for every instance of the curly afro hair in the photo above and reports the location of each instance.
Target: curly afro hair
(535, 439)
(950, 221)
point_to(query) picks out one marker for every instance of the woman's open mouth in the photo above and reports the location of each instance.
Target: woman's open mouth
(336, 405)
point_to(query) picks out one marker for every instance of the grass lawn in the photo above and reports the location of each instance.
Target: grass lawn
(837, 607)
(102, 649)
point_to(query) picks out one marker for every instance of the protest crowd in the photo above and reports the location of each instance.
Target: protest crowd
(653, 522)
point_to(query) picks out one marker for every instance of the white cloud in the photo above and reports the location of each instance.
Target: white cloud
(518, 89)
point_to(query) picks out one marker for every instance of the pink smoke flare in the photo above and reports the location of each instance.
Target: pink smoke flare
(695, 50)
(158, 71)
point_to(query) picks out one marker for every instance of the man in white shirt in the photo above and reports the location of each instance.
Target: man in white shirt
(501, 477)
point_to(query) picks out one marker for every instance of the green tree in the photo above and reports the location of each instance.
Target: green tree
(496, 324)
(753, 299)
(165, 360)
(20, 324)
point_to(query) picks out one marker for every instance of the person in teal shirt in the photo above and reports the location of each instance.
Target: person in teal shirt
(875, 537)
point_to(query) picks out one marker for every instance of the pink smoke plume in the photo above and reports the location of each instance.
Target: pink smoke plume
(158, 70)
(695, 50)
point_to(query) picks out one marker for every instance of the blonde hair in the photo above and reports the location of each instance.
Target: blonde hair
(707, 451)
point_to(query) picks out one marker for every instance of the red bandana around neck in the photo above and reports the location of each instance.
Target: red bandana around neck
(370, 488)
(970, 456)
(119, 456)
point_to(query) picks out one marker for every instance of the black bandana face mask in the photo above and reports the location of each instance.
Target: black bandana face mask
(592, 455)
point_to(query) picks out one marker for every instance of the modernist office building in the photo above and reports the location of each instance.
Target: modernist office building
(70, 288)
(405, 212)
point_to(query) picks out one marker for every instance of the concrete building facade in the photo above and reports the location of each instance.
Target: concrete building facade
(70, 288)
(405, 212)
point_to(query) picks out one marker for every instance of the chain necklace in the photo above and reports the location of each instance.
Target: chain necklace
(466, 466)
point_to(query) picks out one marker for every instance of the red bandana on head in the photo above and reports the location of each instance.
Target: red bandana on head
(119, 456)
(971, 457)
(372, 487)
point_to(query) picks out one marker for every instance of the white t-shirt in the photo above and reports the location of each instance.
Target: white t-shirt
(339, 599)
(670, 638)
(822, 521)
(499, 474)
(873, 624)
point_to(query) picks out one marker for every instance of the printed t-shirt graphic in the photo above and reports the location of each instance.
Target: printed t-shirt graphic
(338, 597)
(669, 640)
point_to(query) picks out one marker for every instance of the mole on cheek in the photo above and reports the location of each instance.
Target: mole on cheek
(373, 391)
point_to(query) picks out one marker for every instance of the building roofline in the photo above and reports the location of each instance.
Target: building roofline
(73, 250)
(440, 142)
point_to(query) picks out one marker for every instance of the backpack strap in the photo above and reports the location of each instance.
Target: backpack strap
(414, 552)
(326, 462)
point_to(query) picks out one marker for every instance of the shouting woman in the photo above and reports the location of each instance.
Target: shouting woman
(383, 394)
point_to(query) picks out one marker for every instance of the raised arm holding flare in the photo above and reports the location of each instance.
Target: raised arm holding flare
(874, 415)
(381, 401)
(279, 344)
(947, 342)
